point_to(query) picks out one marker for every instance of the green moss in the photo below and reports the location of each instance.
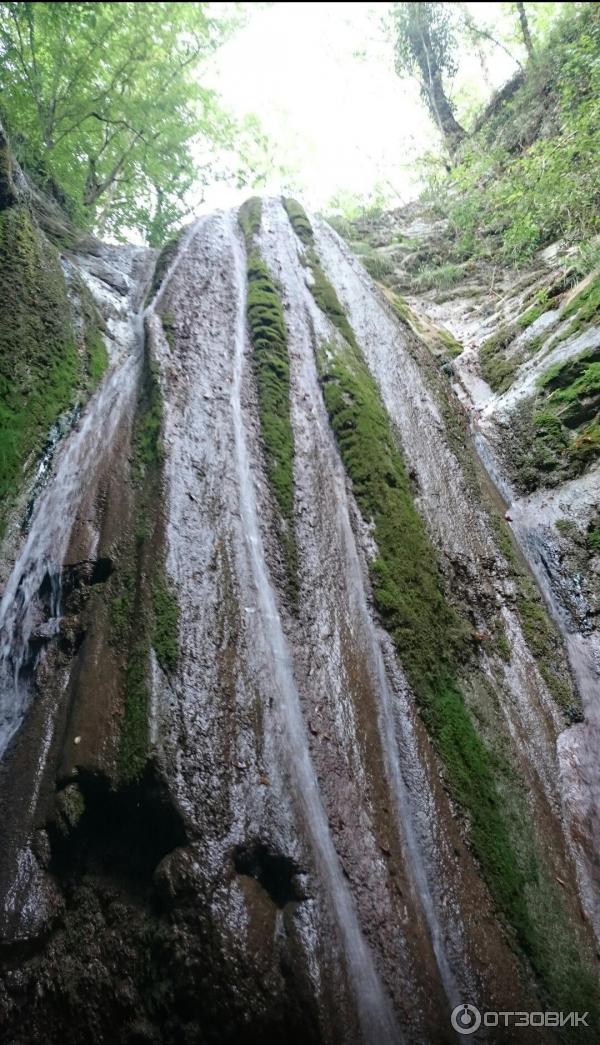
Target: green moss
(501, 643)
(94, 346)
(585, 448)
(497, 369)
(322, 290)
(143, 612)
(97, 357)
(405, 575)
(584, 309)
(439, 341)
(8, 192)
(430, 640)
(453, 347)
(299, 221)
(163, 263)
(120, 611)
(545, 644)
(129, 634)
(40, 368)
(565, 419)
(133, 749)
(168, 325)
(147, 443)
(165, 634)
(592, 538)
(269, 340)
(531, 315)
(268, 335)
(249, 217)
(573, 389)
(586, 304)
(70, 807)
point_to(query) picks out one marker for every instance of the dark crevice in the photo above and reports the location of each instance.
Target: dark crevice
(118, 833)
(277, 873)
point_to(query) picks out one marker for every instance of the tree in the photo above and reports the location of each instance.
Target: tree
(525, 29)
(105, 100)
(425, 45)
(476, 33)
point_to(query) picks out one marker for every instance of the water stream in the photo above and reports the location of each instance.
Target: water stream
(374, 1008)
(30, 609)
(414, 803)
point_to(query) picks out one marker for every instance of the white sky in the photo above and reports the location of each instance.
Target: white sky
(320, 77)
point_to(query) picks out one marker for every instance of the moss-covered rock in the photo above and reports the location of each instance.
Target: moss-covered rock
(430, 639)
(144, 612)
(165, 632)
(40, 367)
(555, 434)
(70, 807)
(8, 190)
(497, 368)
(268, 335)
(249, 216)
(163, 263)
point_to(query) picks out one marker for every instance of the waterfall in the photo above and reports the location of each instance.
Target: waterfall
(31, 602)
(325, 868)
(374, 1008)
(411, 791)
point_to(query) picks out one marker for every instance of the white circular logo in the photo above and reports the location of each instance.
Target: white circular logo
(466, 1019)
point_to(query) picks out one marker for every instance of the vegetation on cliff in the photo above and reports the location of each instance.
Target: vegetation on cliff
(52, 350)
(268, 335)
(431, 640)
(144, 609)
(39, 362)
(529, 173)
(556, 432)
(118, 85)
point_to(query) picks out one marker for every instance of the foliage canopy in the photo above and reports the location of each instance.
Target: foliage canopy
(104, 104)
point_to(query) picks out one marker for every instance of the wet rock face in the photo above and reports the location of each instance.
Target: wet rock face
(288, 856)
(525, 376)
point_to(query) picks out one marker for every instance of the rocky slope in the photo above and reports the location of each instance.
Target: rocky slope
(291, 744)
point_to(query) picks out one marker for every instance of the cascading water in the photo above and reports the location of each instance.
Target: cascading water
(578, 746)
(409, 786)
(30, 606)
(532, 521)
(320, 869)
(374, 1008)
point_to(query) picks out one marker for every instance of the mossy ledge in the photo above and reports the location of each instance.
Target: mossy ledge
(40, 367)
(163, 262)
(52, 349)
(556, 432)
(144, 609)
(268, 336)
(430, 639)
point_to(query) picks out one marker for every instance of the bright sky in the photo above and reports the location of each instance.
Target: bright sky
(320, 77)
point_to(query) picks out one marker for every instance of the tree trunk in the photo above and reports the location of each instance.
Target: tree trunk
(441, 111)
(525, 29)
(432, 84)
